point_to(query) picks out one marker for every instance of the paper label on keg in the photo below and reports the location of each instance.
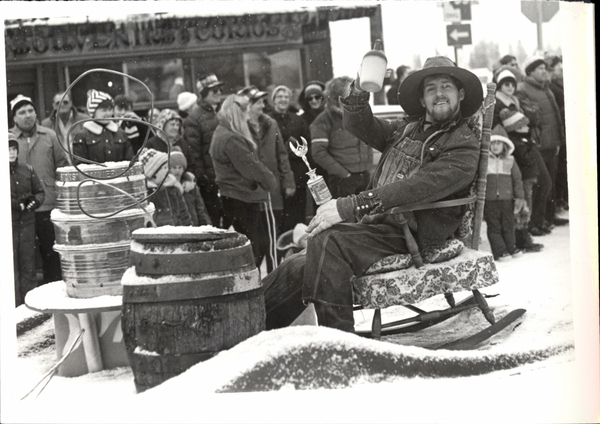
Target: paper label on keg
(113, 169)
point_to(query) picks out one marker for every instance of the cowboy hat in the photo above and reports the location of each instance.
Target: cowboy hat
(409, 95)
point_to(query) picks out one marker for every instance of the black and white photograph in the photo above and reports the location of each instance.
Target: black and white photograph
(299, 211)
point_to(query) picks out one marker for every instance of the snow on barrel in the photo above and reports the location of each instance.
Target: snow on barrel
(190, 293)
(94, 252)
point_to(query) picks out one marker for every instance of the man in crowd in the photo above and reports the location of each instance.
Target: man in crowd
(539, 105)
(199, 126)
(39, 148)
(432, 156)
(65, 115)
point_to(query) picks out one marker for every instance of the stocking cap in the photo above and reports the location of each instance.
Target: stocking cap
(186, 100)
(178, 158)
(95, 98)
(505, 74)
(512, 120)
(18, 102)
(532, 62)
(152, 160)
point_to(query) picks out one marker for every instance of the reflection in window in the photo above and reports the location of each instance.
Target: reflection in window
(228, 68)
(164, 78)
(267, 70)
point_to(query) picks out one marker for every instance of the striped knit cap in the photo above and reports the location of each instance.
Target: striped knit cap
(513, 120)
(95, 98)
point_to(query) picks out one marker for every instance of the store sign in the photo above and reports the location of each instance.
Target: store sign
(68, 40)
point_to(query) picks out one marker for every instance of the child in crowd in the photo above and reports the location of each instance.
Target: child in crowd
(191, 192)
(101, 140)
(503, 197)
(26, 195)
(517, 127)
(135, 132)
(168, 200)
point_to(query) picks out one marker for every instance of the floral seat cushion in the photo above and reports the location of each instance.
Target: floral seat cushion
(383, 286)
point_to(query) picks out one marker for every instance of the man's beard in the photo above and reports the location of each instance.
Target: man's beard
(441, 116)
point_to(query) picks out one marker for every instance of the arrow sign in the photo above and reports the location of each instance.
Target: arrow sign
(458, 35)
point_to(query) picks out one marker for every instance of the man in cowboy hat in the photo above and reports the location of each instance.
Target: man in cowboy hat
(199, 126)
(433, 155)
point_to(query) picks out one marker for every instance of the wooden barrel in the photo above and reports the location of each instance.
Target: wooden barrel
(94, 252)
(190, 293)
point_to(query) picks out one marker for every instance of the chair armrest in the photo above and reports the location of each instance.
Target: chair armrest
(433, 205)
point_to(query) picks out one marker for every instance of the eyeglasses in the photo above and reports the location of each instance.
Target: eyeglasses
(311, 98)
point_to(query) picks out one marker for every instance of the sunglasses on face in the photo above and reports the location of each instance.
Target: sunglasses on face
(311, 98)
(215, 90)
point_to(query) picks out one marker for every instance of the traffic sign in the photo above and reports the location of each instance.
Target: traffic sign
(531, 10)
(456, 11)
(458, 34)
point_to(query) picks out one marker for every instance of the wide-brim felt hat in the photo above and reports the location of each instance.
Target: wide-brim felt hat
(409, 94)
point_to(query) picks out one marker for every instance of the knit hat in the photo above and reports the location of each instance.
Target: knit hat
(253, 93)
(152, 160)
(96, 98)
(12, 141)
(18, 102)
(513, 120)
(409, 94)
(278, 89)
(207, 81)
(313, 88)
(178, 158)
(505, 74)
(186, 100)
(532, 62)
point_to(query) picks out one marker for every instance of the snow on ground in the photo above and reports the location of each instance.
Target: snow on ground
(532, 382)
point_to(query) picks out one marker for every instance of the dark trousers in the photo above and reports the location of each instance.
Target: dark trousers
(550, 157)
(44, 230)
(354, 184)
(562, 188)
(541, 192)
(23, 232)
(266, 241)
(500, 219)
(212, 202)
(294, 209)
(245, 218)
(333, 257)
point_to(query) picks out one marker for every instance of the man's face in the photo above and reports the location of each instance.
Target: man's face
(540, 73)
(25, 117)
(213, 96)
(65, 106)
(102, 113)
(441, 98)
(121, 111)
(12, 153)
(281, 101)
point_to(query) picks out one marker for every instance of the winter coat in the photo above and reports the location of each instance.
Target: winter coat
(335, 149)
(50, 122)
(448, 158)
(539, 105)
(556, 85)
(170, 206)
(274, 155)
(25, 188)
(102, 143)
(193, 200)
(198, 128)
(504, 102)
(159, 144)
(239, 172)
(44, 154)
(503, 175)
(136, 133)
(525, 154)
(293, 125)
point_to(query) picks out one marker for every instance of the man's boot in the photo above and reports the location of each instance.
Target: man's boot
(338, 317)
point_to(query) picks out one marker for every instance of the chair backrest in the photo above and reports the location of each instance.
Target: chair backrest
(485, 115)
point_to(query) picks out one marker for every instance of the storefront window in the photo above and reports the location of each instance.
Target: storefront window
(101, 81)
(268, 70)
(229, 68)
(164, 78)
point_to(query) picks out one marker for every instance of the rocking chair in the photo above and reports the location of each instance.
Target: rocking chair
(457, 266)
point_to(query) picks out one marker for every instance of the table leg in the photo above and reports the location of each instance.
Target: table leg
(91, 345)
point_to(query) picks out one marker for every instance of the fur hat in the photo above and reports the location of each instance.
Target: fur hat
(186, 100)
(532, 62)
(207, 81)
(505, 75)
(12, 141)
(409, 94)
(18, 102)
(178, 158)
(512, 120)
(96, 98)
(152, 160)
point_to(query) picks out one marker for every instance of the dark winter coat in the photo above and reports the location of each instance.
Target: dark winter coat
(444, 167)
(239, 172)
(102, 143)
(504, 102)
(525, 154)
(198, 128)
(539, 105)
(159, 144)
(170, 206)
(293, 125)
(25, 188)
(44, 154)
(193, 200)
(335, 149)
(50, 122)
(274, 155)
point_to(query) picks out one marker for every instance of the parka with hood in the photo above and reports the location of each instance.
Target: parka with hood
(159, 141)
(503, 175)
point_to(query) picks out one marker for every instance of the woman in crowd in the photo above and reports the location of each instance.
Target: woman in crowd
(171, 123)
(244, 181)
(312, 101)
